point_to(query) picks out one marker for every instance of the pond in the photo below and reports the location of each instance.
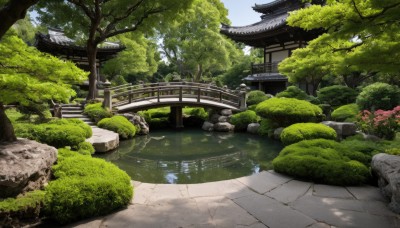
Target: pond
(193, 156)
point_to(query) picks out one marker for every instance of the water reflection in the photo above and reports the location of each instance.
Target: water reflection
(193, 156)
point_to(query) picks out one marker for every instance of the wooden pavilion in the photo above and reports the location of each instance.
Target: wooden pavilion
(58, 44)
(276, 38)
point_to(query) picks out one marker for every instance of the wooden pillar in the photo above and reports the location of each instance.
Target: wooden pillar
(176, 116)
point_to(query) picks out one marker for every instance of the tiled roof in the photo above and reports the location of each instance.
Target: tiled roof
(262, 7)
(263, 77)
(267, 24)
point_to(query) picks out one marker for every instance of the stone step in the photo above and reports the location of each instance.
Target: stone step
(72, 111)
(71, 105)
(72, 108)
(78, 116)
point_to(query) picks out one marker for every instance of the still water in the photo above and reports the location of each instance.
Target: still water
(193, 156)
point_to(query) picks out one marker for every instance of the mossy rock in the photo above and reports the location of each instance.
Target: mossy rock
(305, 131)
(323, 161)
(287, 111)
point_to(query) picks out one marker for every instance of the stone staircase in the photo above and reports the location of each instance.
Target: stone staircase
(70, 111)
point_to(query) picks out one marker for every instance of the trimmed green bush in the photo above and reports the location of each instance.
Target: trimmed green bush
(287, 111)
(85, 148)
(243, 119)
(379, 96)
(323, 161)
(85, 187)
(305, 131)
(267, 127)
(346, 113)
(120, 125)
(96, 112)
(25, 207)
(293, 92)
(196, 112)
(255, 97)
(337, 95)
(76, 122)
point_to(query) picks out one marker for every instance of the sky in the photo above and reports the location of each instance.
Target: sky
(241, 12)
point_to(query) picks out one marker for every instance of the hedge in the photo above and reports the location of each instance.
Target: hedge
(255, 97)
(337, 95)
(96, 112)
(323, 161)
(120, 125)
(379, 96)
(243, 119)
(85, 187)
(287, 111)
(293, 92)
(305, 131)
(346, 113)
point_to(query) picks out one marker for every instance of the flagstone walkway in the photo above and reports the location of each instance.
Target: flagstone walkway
(266, 199)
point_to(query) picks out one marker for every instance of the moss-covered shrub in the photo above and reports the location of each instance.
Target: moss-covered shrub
(267, 127)
(305, 131)
(120, 125)
(96, 112)
(243, 119)
(255, 97)
(85, 187)
(76, 122)
(337, 95)
(84, 148)
(379, 96)
(287, 111)
(346, 113)
(293, 92)
(196, 112)
(323, 161)
(23, 208)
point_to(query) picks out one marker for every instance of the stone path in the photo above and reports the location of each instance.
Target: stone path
(267, 199)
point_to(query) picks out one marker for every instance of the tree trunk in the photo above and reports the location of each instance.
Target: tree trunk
(6, 128)
(199, 73)
(92, 53)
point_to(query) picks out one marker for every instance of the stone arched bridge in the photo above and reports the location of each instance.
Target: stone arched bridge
(132, 98)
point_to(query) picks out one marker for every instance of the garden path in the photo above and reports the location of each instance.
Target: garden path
(266, 199)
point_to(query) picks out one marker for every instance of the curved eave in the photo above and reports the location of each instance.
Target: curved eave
(268, 7)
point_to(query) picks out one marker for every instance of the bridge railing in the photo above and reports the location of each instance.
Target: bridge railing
(176, 91)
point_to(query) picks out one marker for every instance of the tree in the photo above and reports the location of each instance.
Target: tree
(193, 42)
(140, 58)
(96, 21)
(27, 75)
(361, 39)
(11, 11)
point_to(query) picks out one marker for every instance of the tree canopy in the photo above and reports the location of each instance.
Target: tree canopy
(193, 42)
(361, 36)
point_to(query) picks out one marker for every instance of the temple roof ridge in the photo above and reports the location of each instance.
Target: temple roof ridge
(261, 8)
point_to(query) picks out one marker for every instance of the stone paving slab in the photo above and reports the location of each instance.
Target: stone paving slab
(267, 199)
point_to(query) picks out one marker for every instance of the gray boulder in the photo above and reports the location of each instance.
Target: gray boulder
(103, 140)
(139, 121)
(214, 118)
(224, 127)
(343, 129)
(387, 168)
(253, 128)
(277, 133)
(25, 166)
(223, 119)
(226, 112)
(208, 126)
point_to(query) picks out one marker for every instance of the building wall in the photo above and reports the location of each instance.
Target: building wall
(279, 56)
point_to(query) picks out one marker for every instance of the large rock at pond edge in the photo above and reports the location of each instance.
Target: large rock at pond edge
(278, 132)
(208, 126)
(25, 166)
(253, 128)
(214, 118)
(103, 140)
(139, 121)
(226, 112)
(343, 129)
(224, 127)
(387, 168)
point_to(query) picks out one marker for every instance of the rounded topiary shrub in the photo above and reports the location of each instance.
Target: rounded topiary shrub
(337, 95)
(267, 127)
(85, 187)
(323, 161)
(346, 113)
(77, 122)
(96, 112)
(243, 119)
(120, 125)
(255, 97)
(293, 92)
(379, 96)
(287, 111)
(305, 131)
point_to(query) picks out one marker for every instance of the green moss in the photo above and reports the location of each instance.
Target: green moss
(287, 111)
(346, 113)
(305, 131)
(243, 119)
(77, 122)
(255, 97)
(120, 125)
(85, 148)
(85, 187)
(323, 161)
(96, 112)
